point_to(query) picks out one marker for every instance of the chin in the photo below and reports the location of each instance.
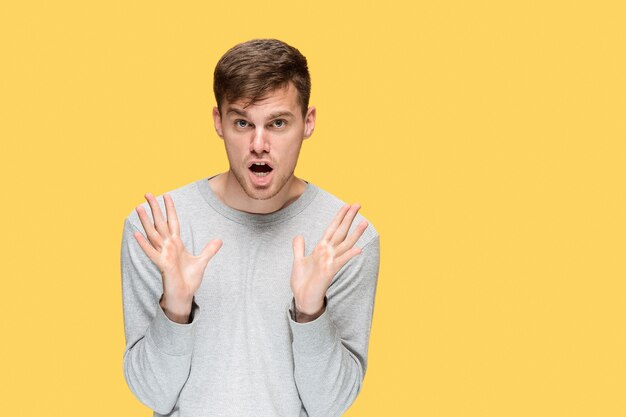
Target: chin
(260, 194)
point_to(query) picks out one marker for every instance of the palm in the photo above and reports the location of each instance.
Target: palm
(182, 272)
(311, 275)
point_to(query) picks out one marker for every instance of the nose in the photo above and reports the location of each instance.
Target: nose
(260, 142)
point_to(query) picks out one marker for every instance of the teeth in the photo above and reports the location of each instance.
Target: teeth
(260, 174)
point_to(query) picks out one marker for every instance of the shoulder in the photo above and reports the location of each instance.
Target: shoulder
(326, 206)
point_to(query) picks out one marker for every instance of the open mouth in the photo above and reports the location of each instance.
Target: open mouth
(260, 169)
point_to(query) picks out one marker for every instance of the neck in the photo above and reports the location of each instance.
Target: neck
(228, 189)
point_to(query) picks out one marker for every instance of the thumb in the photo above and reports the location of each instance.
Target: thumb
(298, 247)
(210, 250)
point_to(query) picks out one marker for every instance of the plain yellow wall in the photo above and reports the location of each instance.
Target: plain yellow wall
(485, 140)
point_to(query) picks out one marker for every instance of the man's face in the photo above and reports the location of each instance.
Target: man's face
(263, 140)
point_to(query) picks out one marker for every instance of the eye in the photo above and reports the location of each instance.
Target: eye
(241, 123)
(279, 123)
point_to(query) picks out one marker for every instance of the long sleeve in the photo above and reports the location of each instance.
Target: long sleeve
(157, 357)
(330, 352)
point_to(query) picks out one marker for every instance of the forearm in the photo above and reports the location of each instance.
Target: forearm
(157, 366)
(327, 374)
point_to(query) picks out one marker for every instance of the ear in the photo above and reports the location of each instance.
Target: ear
(309, 122)
(217, 120)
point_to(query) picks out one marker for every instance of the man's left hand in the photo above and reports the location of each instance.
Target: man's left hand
(311, 275)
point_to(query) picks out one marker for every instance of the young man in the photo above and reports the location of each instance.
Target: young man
(272, 315)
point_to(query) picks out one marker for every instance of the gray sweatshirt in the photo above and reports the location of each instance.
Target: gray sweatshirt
(243, 354)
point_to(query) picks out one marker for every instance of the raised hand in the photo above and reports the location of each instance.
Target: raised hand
(181, 271)
(311, 275)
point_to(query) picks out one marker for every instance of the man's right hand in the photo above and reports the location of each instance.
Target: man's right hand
(181, 271)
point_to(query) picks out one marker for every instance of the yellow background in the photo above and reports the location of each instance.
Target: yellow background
(485, 140)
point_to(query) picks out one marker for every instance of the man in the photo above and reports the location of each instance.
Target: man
(272, 315)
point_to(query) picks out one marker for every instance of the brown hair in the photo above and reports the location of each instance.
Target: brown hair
(255, 68)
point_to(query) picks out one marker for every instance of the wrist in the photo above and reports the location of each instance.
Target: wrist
(305, 315)
(176, 311)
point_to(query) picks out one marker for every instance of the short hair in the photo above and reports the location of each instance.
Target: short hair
(253, 69)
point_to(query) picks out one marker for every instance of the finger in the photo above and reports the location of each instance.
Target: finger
(210, 250)
(344, 227)
(157, 215)
(147, 248)
(172, 218)
(154, 236)
(352, 239)
(330, 231)
(298, 248)
(343, 259)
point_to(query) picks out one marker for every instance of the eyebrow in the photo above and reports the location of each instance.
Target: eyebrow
(242, 113)
(236, 111)
(281, 114)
